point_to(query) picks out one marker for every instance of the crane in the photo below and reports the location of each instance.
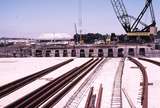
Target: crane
(125, 19)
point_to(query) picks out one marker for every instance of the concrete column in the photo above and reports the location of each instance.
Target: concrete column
(148, 52)
(114, 51)
(33, 51)
(52, 53)
(77, 52)
(43, 53)
(136, 51)
(105, 50)
(60, 52)
(96, 52)
(86, 52)
(69, 51)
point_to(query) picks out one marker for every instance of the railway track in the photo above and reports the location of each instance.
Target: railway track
(76, 98)
(116, 100)
(144, 98)
(17, 84)
(151, 61)
(56, 89)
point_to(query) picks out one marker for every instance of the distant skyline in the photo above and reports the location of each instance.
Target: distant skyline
(30, 18)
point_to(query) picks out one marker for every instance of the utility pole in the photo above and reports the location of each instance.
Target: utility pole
(76, 35)
(75, 27)
(80, 19)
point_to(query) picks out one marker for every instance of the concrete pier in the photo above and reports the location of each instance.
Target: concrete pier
(92, 51)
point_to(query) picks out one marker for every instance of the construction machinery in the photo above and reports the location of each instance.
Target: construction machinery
(134, 26)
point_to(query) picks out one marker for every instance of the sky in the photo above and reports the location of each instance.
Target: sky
(29, 18)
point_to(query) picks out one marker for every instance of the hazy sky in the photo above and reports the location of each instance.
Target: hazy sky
(29, 18)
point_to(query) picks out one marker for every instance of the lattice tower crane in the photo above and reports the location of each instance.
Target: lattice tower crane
(125, 19)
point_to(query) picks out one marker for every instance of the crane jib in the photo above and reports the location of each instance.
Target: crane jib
(125, 19)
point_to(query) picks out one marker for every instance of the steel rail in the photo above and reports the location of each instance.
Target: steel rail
(99, 98)
(87, 104)
(17, 84)
(144, 98)
(36, 94)
(149, 60)
(60, 95)
(76, 98)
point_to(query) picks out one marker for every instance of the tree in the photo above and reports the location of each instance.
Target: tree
(113, 37)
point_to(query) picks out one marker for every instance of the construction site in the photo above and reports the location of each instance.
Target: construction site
(85, 70)
(141, 39)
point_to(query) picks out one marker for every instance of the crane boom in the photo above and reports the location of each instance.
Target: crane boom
(135, 24)
(121, 14)
(152, 14)
(124, 18)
